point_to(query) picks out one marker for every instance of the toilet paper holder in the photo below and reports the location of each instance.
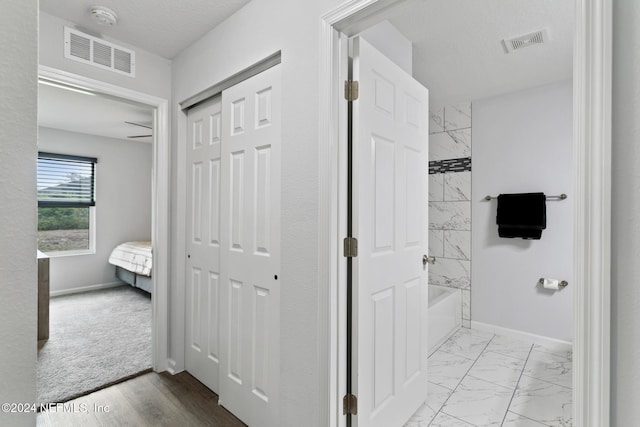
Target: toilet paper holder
(562, 283)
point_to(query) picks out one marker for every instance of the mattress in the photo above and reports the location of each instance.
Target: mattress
(133, 256)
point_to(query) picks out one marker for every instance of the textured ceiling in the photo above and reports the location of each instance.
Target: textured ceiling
(163, 27)
(458, 52)
(457, 44)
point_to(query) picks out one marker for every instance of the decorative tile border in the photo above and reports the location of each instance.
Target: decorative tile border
(450, 165)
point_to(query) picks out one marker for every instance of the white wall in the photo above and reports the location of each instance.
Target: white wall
(153, 77)
(123, 203)
(18, 136)
(522, 142)
(625, 216)
(256, 31)
(153, 73)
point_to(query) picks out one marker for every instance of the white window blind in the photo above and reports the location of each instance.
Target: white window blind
(66, 181)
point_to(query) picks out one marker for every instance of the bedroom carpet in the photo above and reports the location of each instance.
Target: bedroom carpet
(96, 339)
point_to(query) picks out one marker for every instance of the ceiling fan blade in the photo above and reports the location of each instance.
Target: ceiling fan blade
(139, 136)
(139, 124)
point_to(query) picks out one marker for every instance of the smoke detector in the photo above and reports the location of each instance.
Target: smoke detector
(526, 40)
(103, 16)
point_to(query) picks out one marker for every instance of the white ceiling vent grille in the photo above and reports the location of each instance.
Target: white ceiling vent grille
(99, 53)
(531, 39)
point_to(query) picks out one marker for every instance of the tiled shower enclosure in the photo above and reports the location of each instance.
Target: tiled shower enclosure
(450, 200)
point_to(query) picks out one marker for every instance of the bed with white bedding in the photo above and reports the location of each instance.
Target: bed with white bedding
(133, 262)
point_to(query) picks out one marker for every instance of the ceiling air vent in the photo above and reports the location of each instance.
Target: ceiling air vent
(531, 39)
(97, 52)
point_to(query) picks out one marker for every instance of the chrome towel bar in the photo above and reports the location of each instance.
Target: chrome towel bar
(560, 197)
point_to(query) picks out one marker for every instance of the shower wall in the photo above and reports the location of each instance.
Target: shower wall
(450, 200)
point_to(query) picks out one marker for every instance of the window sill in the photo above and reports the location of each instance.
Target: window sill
(61, 254)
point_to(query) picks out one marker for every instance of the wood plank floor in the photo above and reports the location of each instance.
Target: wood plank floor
(148, 400)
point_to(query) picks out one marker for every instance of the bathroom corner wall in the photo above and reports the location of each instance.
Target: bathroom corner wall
(450, 200)
(523, 144)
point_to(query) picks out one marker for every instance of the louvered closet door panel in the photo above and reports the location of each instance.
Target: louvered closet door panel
(250, 251)
(202, 334)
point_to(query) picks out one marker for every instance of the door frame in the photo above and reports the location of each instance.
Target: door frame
(592, 61)
(160, 194)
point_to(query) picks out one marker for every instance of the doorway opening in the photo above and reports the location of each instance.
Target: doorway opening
(590, 366)
(149, 116)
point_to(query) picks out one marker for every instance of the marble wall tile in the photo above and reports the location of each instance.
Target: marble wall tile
(457, 244)
(462, 139)
(450, 145)
(466, 304)
(436, 119)
(453, 273)
(547, 403)
(436, 243)
(436, 187)
(450, 215)
(449, 199)
(478, 402)
(457, 116)
(457, 186)
(441, 147)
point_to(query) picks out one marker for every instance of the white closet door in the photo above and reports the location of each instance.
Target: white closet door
(250, 252)
(202, 344)
(390, 222)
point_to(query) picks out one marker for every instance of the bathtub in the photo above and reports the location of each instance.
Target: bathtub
(445, 314)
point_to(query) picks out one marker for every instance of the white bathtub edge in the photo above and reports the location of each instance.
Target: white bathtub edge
(445, 317)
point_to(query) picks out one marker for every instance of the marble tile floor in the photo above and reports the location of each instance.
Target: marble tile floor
(479, 379)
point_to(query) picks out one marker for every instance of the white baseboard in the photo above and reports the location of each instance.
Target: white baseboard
(559, 345)
(171, 367)
(84, 289)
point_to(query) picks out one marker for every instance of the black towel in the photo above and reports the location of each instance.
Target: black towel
(522, 215)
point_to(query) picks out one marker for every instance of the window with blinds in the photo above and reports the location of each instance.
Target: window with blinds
(66, 181)
(66, 203)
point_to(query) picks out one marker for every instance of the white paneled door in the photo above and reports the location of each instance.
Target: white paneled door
(390, 125)
(250, 251)
(202, 341)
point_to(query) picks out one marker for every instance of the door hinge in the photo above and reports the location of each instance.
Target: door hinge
(350, 247)
(351, 90)
(350, 404)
